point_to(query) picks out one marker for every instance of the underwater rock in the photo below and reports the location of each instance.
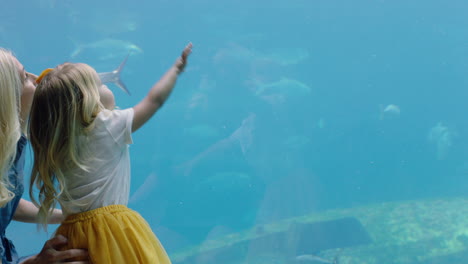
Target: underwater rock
(313, 237)
(428, 231)
(339, 233)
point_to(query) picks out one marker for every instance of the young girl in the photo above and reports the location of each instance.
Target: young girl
(81, 160)
(16, 94)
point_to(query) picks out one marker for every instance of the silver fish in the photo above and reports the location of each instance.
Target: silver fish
(104, 49)
(114, 76)
(392, 109)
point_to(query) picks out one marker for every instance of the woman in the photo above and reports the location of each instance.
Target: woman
(16, 94)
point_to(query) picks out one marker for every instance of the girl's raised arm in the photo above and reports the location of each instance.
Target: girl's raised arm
(160, 91)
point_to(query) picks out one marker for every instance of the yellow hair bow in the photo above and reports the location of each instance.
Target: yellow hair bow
(44, 73)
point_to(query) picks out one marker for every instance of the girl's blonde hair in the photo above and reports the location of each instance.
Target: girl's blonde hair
(65, 104)
(11, 85)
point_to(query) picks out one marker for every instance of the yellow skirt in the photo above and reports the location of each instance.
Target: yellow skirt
(113, 234)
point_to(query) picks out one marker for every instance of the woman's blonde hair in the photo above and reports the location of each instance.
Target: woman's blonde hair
(11, 85)
(65, 104)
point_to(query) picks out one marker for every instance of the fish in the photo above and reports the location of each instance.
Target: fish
(284, 86)
(313, 259)
(109, 25)
(114, 76)
(390, 111)
(105, 49)
(242, 136)
(145, 189)
(288, 56)
(442, 137)
(393, 109)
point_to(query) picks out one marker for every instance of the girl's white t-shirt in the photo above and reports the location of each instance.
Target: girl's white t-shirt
(107, 179)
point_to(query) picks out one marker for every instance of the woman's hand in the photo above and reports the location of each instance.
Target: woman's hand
(50, 253)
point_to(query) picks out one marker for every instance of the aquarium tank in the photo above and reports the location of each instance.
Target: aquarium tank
(301, 131)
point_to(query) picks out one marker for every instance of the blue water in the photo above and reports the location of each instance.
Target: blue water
(310, 80)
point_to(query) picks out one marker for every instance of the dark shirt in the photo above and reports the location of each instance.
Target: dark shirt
(15, 175)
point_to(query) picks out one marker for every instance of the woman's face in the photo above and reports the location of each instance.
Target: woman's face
(27, 93)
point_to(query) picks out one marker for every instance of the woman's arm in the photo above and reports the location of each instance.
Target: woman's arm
(27, 212)
(160, 91)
